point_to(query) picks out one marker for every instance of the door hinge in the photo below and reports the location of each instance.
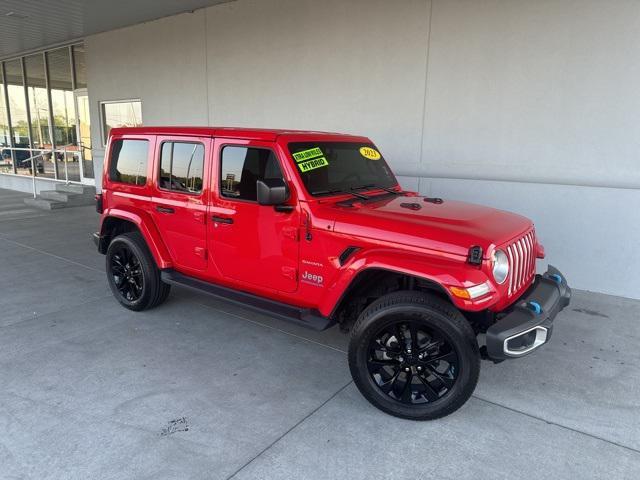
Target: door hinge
(290, 272)
(201, 252)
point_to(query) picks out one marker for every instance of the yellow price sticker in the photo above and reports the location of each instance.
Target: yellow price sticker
(370, 153)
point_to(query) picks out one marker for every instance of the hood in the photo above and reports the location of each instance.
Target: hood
(449, 226)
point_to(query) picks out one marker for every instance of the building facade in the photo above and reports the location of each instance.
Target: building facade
(528, 106)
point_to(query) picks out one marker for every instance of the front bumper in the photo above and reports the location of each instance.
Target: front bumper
(529, 324)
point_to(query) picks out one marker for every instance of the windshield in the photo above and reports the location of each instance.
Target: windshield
(333, 167)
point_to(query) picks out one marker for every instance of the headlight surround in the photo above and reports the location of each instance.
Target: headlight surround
(500, 266)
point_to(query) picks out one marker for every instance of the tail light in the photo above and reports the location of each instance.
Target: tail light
(99, 203)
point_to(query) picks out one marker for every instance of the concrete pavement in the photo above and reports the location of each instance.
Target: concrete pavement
(198, 388)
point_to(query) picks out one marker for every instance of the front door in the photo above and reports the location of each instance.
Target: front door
(251, 243)
(178, 205)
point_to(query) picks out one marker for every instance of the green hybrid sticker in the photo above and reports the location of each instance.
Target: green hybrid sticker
(313, 164)
(310, 159)
(307, 154)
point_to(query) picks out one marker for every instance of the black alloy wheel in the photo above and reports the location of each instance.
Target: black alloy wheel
(412, 354)
(132, 273)
(127, 273)
(412, 363)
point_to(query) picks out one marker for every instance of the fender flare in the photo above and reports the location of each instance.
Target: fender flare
(147, 227)
(441, 271)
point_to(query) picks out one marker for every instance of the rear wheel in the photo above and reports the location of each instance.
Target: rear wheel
(414, 356)
(132, 273)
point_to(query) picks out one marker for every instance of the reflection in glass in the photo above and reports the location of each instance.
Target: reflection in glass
(181, 167)
(6, 161)
(121, 114)
(38, 103)
(18, 109)
(129, 161)
(84, 124)
(64, 114)
(79, 61)
(39, 110)
(242, 167)
(46, 106)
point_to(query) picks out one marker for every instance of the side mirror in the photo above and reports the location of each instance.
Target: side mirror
(272, 191)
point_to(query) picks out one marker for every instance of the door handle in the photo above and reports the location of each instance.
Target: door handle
(165, 209)
(222, 219)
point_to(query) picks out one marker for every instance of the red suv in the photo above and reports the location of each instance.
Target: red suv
(313, 228)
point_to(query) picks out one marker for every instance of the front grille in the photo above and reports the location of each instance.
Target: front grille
(522, 262)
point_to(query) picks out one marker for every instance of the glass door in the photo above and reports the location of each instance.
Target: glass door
(84, 137)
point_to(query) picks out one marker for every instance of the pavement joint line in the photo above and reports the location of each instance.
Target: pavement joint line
(21, 217)
(549, 422)
(473, 396)
(2, 237)
(85, 415)
(52, 255)
(60, 310)
(302, 420)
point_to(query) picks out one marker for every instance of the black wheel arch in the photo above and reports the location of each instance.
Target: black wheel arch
(111, 228)
(372, 283)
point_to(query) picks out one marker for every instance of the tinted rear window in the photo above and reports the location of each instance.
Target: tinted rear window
(129, 161)
(181, 167)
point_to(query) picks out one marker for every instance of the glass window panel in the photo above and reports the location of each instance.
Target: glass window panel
(129, 161)
(181, 167)
(38, 102)
(18, 110)
(6, 161)
(121, 114)
(79, 63)
(242, 167)
(62, 101)
(5, 139)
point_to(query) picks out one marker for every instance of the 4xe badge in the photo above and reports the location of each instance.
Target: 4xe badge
(312, 279)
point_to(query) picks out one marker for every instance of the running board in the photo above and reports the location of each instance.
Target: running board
(306, 317)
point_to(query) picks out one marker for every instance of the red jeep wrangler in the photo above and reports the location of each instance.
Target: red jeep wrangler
(313, 228)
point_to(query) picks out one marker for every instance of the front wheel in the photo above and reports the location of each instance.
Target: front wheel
(414, 356)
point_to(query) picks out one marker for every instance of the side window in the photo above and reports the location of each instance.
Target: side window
(181, 167)
(242, 167)
(128, 163)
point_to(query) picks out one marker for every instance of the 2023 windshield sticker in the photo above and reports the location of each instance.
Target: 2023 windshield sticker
(310, 159)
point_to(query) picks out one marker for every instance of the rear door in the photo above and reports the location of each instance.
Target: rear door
(251, 243)
(180, 197)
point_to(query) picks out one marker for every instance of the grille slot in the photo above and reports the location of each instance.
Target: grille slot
(522, 262)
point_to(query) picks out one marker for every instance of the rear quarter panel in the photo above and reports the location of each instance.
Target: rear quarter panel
(133, 202)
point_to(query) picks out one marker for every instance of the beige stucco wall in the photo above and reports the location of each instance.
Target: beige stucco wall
(532, 106)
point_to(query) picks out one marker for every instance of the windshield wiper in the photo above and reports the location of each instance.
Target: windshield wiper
(348, 192)
(373, 185)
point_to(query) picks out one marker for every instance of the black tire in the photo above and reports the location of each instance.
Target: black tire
(139, 287)
(449, 363)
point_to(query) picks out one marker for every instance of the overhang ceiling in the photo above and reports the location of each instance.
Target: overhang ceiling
(31, 24)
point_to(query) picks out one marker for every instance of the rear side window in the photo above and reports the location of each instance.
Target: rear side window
(242, 167)
(181, 167)
(129, 161)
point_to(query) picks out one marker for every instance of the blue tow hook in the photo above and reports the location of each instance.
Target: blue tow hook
(535, 307)
(556, 277)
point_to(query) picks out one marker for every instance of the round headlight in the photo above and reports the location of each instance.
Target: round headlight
(500, 266)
